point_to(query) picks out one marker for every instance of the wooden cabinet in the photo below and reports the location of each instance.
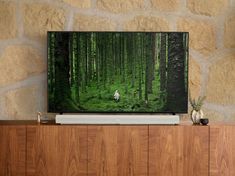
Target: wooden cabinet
(178, 150)
(117, 150)
(56, 150)
(12, 150)
(222, 150)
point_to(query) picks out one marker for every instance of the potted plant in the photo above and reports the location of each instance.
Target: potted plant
(196, 113)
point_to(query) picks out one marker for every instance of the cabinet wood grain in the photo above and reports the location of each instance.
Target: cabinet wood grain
(12, 150)
(222, 150)
(178, 150)
(117, 150)
(56, 150)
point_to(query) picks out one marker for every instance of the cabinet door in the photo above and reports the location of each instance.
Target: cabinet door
(222, 150)
(56, 150)
(117, 150)
(12, 150)
(178, 150)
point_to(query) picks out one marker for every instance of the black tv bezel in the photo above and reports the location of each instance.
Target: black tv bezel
(115, 112)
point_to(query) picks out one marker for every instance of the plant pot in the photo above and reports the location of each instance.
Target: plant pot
(196, 116)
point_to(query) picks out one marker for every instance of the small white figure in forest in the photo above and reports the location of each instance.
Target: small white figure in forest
(116, 95)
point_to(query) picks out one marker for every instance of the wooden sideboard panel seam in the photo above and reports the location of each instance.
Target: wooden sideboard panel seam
(26, 141)
(209, 146)
(148, 154)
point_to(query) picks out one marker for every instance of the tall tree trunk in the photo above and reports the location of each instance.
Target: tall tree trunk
(97, 55)
(141, 65)
(133, 58)
(124, 57)
(148, 59)
(162, 62)
(153, 54)
(149, 67)
(89, 62)
(51, 67)
(85, 60)
(113, 57)
(71, 81)
(62, 71)
(176, 95)
(105, 60)
(120, 53)
(78, 72)
(186, 60)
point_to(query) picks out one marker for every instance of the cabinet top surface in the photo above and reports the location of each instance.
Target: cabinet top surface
(52, 123)
(21, 122)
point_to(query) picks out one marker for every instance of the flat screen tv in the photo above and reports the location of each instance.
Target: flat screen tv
(121, 72)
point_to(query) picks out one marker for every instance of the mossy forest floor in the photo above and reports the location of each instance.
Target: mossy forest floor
(101, 99)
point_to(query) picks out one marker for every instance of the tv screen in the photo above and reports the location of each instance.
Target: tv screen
(118, 72)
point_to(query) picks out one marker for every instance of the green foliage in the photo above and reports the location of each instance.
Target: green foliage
(101, 99)
(197, 103)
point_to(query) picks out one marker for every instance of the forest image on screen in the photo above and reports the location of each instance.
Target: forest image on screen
(118, 72)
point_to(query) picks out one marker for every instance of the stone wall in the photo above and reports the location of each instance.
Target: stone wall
(24, 23)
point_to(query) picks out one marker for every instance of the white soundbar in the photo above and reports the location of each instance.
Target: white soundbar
(118, 119)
